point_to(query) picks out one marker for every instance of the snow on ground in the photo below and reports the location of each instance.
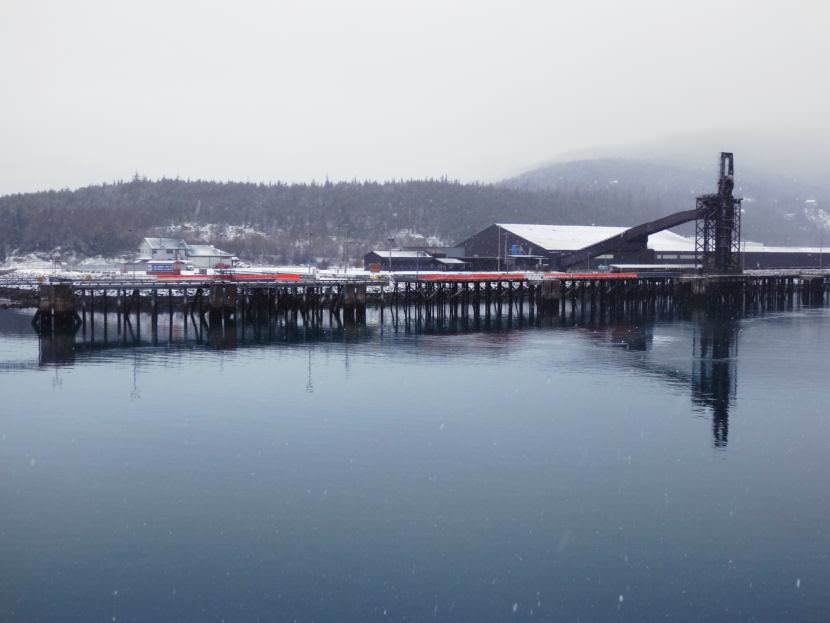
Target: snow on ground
(30, 261)
(35, 266)
(44, 262)
(413, 237)
(101, 268)
(45, 273)
(212, 231)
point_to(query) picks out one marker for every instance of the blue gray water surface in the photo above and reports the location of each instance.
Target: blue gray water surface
(670, 470)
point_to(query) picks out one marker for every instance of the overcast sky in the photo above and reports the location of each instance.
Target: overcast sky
(95, 90)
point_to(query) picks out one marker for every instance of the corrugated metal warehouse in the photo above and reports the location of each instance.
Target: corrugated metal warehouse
(524, 246)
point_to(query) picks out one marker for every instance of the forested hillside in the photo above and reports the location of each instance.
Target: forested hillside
(290, 223)
(329, 221)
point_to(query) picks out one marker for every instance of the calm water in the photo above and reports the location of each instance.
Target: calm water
(672, 470)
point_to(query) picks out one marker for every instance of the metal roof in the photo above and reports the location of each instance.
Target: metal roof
(165, 243)
(655, 266)
(401, 253)
(575, 237)
(757, 247)
(205, 250)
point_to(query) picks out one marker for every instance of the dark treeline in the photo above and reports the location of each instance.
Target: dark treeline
(292, 222)
(331, 221)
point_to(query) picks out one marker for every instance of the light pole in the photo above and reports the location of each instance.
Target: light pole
(498, 251)
(822, 227)
(131, 230)
(308, 250)
(391, 241)
(346, 256)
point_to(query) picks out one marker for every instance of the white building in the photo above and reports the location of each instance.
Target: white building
(162, 249)
(208, 256)
(197, 255)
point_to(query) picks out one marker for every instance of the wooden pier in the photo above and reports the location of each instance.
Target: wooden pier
(74, 306)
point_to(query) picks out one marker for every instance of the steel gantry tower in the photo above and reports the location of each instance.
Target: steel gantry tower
(717, 233)
(718, 224)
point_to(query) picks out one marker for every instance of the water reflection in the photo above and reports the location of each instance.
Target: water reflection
(67, 348)
(56, 349)
(714, 375)
(526, 474)
(710, 377)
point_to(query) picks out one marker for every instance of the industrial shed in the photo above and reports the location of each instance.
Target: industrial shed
(761, 256)
(411, 260)
(508, 246)
(521, 246)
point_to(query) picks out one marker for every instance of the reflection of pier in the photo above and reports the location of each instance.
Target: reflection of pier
(711, 378)
(66, 347)
(100, 331)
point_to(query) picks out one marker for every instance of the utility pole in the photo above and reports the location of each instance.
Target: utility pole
(308, 248)
(498, 251)
(822, 228)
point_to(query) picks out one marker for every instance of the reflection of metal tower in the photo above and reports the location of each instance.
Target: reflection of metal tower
(718, 226)
(714, 377)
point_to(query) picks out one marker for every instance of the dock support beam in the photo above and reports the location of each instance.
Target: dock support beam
(550, 296)
(56, 312)
(221, 303)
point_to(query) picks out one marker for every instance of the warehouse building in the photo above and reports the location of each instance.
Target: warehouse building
(513, 246)
(418, 259)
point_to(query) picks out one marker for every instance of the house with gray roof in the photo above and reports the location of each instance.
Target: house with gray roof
(162, 249)
(198, 255)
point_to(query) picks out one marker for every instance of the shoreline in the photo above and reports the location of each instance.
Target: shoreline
(18, 298)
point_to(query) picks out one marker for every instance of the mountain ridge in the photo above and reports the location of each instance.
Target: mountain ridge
(330, 221)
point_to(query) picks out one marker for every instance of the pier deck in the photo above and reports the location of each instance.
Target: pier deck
(67, 305)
